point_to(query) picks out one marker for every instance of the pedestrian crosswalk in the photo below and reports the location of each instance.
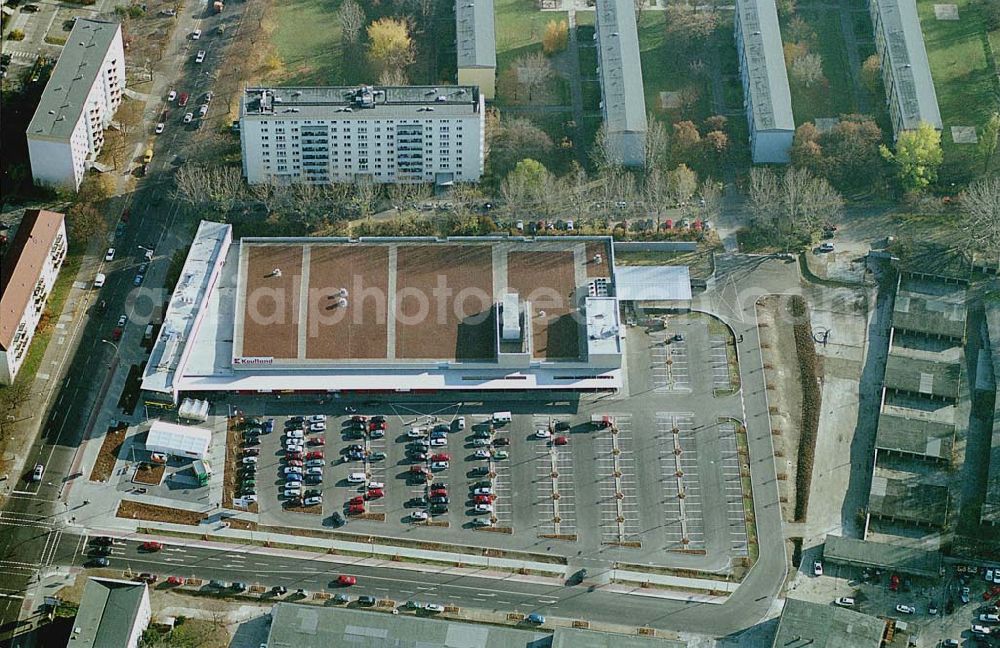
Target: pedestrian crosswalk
(28, 56)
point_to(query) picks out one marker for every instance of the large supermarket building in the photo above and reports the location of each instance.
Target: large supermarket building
(389, 315)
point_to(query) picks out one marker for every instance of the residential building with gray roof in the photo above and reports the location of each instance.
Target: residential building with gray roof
(766, 95)
(476, 45)
(623, 102)
(111, 613)
(382, 134)
(66, 133)
(906, 71)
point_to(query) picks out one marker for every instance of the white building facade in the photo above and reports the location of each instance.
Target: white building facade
(66, 132)
(29, 271)
(412, 134)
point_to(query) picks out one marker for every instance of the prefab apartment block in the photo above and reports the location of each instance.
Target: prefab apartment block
(766, 96)
(906, 72)
(66, 133)
(383, 134)
(476, 45)
(28, 272)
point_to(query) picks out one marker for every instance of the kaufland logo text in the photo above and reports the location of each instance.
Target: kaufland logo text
(258, 360)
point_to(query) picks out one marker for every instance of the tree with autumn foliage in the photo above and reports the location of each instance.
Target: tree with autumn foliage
(556, 37)
(390, 46)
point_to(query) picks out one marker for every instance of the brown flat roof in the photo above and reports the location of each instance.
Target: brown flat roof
(443, 303)
(22, 266)
(408, 299)
(549, 281)
(359, 330)
(271, 311)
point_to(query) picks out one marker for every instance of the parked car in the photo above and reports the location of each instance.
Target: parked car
(845, 601)
(542, 433)
(817, 568)
(905, 609)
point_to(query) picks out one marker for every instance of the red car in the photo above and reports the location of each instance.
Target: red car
(175, 580)
(560, 440)
(317, 441)
(374, 493)
(116, 334)
(346, 581)
(484, 499)
(441, 457)
(296, 463)
(294, 455)
(315, 454)
(418, 470)
(377, 425)
(151, 545)
(358, 418)
(183, 99)
(356, 501)
(893, 583)
(355, 509)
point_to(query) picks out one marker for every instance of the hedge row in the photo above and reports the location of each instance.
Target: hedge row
(805, 350)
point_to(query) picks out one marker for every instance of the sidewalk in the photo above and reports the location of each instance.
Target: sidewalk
(215, 536)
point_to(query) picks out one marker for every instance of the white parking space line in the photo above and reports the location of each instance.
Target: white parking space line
(720, 364)
(735, 515)
(619, 518)
(684, 520)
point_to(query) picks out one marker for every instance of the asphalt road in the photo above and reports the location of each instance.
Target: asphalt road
(317, 572)
(33, 515)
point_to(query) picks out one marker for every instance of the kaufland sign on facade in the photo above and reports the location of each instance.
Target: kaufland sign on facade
(258, 360)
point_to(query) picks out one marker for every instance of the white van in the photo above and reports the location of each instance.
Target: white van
(501, 417)
(99, 280)
(357, 478)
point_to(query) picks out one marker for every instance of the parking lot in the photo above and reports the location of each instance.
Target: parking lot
(879, 594)
(565, 475)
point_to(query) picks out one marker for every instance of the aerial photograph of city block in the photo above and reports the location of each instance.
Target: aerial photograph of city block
(499, 324)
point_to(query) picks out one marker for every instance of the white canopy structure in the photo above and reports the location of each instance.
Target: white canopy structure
(193, 409)
(179, 440)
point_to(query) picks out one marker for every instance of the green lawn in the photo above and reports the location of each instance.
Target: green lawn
(835, 97)
(584, 18)
(966, 90)
(662, 72)
(519, 28)
(307, 39)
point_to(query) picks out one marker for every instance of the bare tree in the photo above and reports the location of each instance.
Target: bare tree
(533, 71)
(657, 143)
(682, 183)
(366, 195)
(711, 196)
(639, 6)
(807, 69)
(981, 225)
(393, 77)
(352, 20)
(604, 154)
(764, 192)
(655, 193)
(129, 116)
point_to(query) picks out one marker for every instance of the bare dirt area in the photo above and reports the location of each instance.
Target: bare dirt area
(784, 393)
(153, 513)
(106, 458)
(149, 474)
